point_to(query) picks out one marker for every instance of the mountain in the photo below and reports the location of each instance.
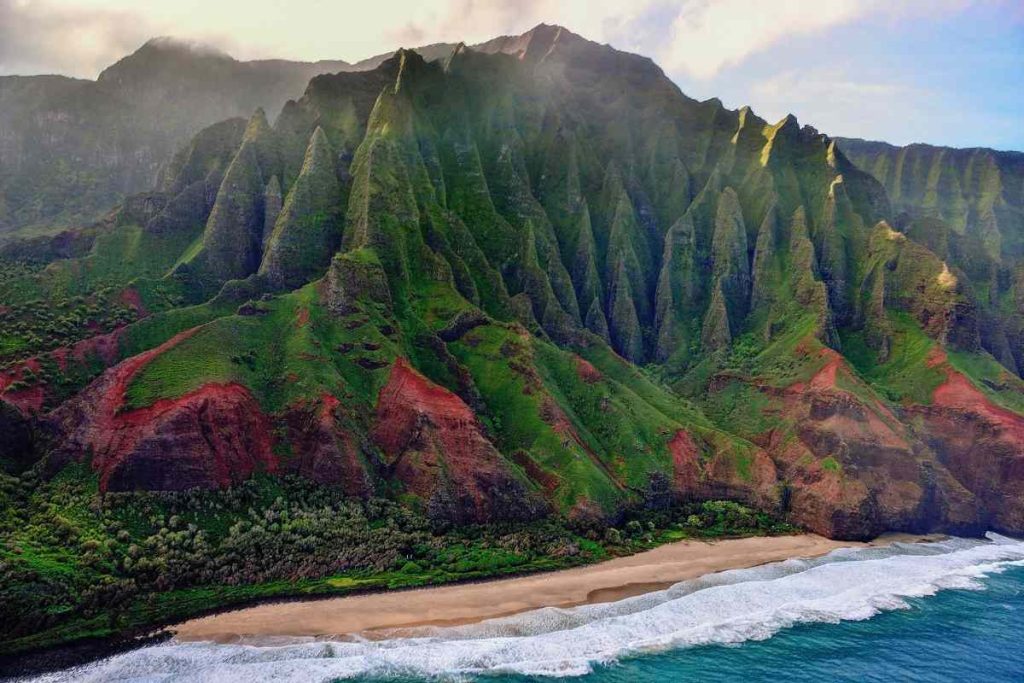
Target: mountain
(432, 52)
(73, 148)
(535, 280)
(516, 308)
(967, 206)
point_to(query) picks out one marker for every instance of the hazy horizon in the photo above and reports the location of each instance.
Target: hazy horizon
(944, 73)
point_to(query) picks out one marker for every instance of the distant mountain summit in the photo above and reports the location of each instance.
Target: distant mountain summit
(163, 53)
(73, 148)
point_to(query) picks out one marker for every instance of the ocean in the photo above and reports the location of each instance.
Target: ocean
(945, 611)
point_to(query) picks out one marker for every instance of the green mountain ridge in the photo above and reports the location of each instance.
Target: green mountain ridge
(534, 280)
(967, 206)
(73, 148)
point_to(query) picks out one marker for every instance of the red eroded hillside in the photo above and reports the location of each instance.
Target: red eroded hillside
(434, 444)
(208, 438)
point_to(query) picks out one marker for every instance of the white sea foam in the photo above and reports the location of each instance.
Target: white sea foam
(725, 608)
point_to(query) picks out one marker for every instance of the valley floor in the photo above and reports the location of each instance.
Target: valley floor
(407, 613)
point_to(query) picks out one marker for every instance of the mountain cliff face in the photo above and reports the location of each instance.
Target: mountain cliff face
(70, 149)
(967, 206)
(531, 278)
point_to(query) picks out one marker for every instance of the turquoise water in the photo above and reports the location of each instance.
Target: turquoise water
(947, 611)
(957, 635)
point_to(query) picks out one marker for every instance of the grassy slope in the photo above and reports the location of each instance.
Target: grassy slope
(905, 375)
(117, 257)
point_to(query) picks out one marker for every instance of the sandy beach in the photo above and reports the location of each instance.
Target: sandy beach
(378, 614)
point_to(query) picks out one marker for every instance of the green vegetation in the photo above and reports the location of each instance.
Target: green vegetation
(992, 378)
(905, 376)
(77, 565)
(830, 464)
(32, 327)
(65, 171)
(741, 407)
(520, 410)
(287, 348)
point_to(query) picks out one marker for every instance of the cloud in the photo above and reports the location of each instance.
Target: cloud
(694, 38)
(478, 20)
(834, 98)
(844, 101)
(40, 37)
(697, 37)
(80, 37)
(833, 84)
(708, 36)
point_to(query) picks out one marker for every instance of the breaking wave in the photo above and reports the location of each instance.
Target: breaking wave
(729, 607)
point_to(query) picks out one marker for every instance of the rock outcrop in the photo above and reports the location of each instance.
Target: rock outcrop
(325, 451)
(855, 469)
(355, 277)
(209, 438)
(980, 443)
(308, 229)
(434, 445)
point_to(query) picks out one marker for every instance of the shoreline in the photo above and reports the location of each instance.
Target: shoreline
(387, 614)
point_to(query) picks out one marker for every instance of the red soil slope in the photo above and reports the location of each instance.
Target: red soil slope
(980, 442)
(853, 468)
(323, 450)
(434, 445)
(30, 400)
(208, 438)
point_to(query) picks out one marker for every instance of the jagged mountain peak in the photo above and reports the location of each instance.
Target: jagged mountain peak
(747, 116)
(177, 45)
(162, 54)
(750, 129)
(789, 121)
(533, 45)
(410, 65)
(544, 37)
(403, 62)
(406, 55)
(787, 128)
(546, 42)
(257, 125)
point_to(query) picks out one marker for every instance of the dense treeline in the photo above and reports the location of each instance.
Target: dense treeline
(33, 321)
(76, 564)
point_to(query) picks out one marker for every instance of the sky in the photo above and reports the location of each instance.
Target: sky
(947, 72)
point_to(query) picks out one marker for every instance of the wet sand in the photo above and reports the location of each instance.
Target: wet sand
(380, 614)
